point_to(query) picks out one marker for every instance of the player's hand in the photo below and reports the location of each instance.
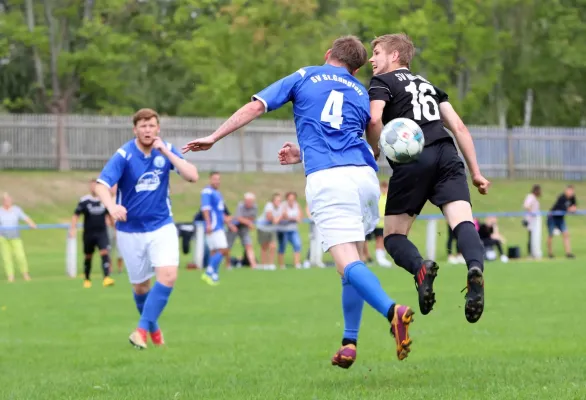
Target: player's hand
(158, 144)
(481, 183)
(202, 144)
(72, 233)
(376, 154)
(233, 228)
(208, 229)
(289, 154)
(117, 212)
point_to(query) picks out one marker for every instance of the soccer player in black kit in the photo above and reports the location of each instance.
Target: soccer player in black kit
(95, 233)
(438, 175)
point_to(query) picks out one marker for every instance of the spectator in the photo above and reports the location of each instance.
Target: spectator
(456, 258)
(266, 232)
(10, 242)
(565, 203)
(531, 205)
(243, 220)
(289, 230)
(490, 236)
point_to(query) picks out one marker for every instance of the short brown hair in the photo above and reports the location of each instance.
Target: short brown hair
(144, 113)
(350, 51)
(397, 42)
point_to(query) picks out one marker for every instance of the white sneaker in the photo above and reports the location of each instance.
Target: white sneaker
(383, 262)
(306, 264)
(460, 259)
(504, 259)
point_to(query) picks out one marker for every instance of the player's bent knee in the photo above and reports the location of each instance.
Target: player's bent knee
(166, 275)
(142, 288)
(457, 212)
(398, 224)
(344, 254)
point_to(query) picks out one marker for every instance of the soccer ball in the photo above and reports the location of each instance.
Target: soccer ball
(402, 140)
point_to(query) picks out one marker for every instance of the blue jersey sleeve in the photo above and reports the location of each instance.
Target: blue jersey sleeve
(113, 169)
(280, 92)
(206, 199)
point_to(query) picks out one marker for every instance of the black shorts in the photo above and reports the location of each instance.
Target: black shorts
(91, 240)
(438, 176)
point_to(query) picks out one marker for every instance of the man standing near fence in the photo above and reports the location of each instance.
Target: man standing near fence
(95, 233)
(565, 203)
(147, 236)
(243, 219)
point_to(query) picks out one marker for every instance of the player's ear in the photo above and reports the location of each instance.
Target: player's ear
(327, 55)
(355, 71)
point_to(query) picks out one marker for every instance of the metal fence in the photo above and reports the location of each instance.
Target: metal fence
(82, 142)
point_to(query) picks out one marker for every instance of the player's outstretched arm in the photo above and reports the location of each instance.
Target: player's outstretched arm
(375, 126)
(455, 124)
(243, 116)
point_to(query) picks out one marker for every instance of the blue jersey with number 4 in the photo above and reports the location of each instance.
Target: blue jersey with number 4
(143, 187)
(331, 110)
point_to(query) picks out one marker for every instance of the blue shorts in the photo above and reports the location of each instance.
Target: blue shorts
(556, 222)
(291, 237)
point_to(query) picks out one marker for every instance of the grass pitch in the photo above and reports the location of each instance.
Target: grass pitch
(270, 334)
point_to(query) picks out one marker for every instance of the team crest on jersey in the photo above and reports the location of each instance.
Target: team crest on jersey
(96, 210)
(149, 181)
(159, 162)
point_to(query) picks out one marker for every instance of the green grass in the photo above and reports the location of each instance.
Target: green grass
(270, 334)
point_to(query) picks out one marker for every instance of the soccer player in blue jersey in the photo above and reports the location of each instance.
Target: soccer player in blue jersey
(147, 237)
(331, 110)
(212, 209)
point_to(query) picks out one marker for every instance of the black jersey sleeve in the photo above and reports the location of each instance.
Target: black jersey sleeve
(80, 207)
(379, 90)
(442, 96)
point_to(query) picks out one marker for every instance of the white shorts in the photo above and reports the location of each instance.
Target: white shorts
(143, 252)
(343, 203)
(217, 240)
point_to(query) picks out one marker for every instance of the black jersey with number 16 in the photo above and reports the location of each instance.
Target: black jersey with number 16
(410, 96)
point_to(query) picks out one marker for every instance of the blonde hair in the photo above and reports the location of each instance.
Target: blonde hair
(396, 42)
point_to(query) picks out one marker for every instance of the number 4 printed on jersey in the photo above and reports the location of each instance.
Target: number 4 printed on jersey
(421, 100)
(332, 111)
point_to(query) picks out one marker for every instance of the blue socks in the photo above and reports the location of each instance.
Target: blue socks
(368, 287)
(151, 306)
(214, 265)
(215, 261)
(140, 299)
(352, 305)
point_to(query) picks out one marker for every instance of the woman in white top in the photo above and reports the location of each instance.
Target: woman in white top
(11, 245)
(531, 205)
(266, 232)
(289, 230)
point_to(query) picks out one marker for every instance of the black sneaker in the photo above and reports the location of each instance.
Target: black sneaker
(424, 283)
(570, 255)
(475, 295)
